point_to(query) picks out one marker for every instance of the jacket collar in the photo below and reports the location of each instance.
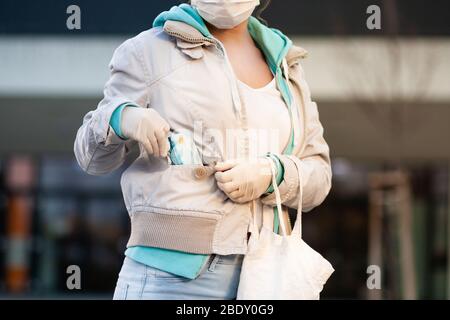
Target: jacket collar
(189, 38)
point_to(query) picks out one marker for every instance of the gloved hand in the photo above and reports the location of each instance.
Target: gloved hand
(243, 180)
(146, 126)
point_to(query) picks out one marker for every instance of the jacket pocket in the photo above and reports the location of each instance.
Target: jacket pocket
(173, 187)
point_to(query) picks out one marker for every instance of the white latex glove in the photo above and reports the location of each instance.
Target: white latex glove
(243, 180)
(147, 127)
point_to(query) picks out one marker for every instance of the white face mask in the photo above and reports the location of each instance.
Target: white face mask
(225, 14)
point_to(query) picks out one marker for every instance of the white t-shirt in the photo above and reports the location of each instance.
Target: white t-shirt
(269, 127)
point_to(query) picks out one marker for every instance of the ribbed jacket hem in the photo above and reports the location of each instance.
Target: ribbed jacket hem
(178, 232)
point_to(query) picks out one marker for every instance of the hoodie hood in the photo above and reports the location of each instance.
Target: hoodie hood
(273, 43)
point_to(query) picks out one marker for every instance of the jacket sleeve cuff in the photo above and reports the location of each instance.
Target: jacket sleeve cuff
(288, 186)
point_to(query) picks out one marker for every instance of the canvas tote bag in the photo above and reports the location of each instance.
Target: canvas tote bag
(282, 266)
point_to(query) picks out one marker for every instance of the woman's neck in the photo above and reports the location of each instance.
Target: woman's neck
(237, 34)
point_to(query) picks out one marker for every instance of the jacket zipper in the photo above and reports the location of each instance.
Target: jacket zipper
(289, 219)
(237, 103)
(221, 49)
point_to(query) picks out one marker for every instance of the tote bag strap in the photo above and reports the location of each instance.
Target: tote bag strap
(277, 199)
(254, 223)
(297, 229)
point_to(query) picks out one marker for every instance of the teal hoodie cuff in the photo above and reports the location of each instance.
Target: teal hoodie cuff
(116, 119)
(280, 171)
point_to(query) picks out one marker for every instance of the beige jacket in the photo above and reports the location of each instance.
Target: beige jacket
(187, 78)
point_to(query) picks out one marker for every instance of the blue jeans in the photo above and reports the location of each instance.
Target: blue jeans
(218, 279)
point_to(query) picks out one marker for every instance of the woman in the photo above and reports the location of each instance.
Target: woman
(236, 88)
